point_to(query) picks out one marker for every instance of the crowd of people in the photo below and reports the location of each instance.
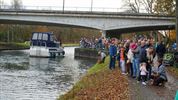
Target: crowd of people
(95, 43)
(141, 59)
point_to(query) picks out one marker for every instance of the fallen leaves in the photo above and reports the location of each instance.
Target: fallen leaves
(105, 85)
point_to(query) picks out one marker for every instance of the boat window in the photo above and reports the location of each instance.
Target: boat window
(35, 36)
(45, 37)
(39, 36)
(51, 38)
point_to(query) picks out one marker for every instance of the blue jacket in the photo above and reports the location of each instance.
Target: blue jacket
(162, 72)
(112, 50)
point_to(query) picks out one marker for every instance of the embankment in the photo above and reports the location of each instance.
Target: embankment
(87, 53)
(13, 46)
(99, 83)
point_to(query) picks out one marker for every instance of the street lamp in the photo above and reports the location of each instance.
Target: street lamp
(63, 6)
(177, 23)
(91, 5)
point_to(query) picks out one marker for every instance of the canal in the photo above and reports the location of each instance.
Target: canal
(26, 78)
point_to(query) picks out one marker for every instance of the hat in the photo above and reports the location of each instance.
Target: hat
(133, 46)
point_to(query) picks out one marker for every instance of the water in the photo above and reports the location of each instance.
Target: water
(26, 78)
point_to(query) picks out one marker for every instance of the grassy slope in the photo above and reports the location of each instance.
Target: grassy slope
(4, 45)
(70, 45)
(99, 83)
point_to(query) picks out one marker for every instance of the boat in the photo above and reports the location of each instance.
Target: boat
(44, 44)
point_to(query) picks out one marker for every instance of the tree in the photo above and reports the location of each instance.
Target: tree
(16, 4)
(134, 5)
(165, 7)
(137, 6)
(148, 5)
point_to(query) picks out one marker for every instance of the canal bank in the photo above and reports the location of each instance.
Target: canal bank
(99, 83)
(23, 46)
(87, 53)
(13, 46)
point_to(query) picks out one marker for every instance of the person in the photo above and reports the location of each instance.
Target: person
(129, 62)
(174, 46)
(142, 55)
(112, 53)
(134, 59)
(103, 56)
(143, 73)
(136, 63)
(150, 57)
(159, 76)
(160, 50)
(122, 57)
(142, 52)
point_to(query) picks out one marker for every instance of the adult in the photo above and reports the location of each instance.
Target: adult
(159, 76)
(142, 52)
(160, 50)
(112, 53)
(135, 64)
(142, 55)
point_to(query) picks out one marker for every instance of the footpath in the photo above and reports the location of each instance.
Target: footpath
(149, 92)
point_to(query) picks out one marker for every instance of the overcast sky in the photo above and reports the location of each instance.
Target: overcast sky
(72, 3)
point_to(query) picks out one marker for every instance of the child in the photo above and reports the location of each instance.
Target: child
(101, 57)
(143, 72)
(122, 60)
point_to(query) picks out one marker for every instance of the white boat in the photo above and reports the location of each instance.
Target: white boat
(44, 44)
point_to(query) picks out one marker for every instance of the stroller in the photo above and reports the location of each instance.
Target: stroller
(168, 59)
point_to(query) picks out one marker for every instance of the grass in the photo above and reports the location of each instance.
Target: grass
(85, 82)
(70, 45)
(13, 45)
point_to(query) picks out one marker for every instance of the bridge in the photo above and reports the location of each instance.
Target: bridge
(107, 22)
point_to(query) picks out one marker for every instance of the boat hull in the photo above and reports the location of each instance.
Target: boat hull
(38, 51)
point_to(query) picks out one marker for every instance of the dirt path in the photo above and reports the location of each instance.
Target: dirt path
(139, 92)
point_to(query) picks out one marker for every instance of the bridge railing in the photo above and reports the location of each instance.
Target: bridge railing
(58, 8)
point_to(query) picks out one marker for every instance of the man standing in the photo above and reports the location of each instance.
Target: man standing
(112, 53)
(160, 50)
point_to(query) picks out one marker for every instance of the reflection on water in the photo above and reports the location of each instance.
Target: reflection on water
(23, 77)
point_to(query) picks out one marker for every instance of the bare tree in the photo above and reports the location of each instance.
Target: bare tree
(138, 6)
(16, 4)
(134, 5)
(148, 5)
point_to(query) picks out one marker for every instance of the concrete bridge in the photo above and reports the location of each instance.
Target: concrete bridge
(104, 21)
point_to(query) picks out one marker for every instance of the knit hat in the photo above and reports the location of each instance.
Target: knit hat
(133, 46)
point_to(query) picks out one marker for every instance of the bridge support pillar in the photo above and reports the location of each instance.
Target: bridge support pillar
(103, 33)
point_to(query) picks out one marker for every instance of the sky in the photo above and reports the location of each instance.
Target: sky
(72, 3)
